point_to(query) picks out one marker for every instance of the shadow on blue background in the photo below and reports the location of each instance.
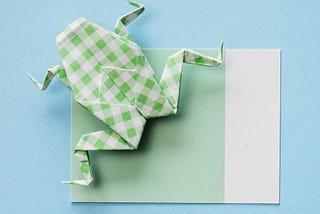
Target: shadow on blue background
(35, 127)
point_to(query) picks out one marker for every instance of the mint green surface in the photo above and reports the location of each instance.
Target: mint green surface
(180, 157)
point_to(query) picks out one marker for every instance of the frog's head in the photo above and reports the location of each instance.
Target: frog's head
(73, 28)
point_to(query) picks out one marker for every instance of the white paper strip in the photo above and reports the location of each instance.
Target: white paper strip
(252, 126)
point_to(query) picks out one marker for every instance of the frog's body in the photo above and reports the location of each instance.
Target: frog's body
(110, 76)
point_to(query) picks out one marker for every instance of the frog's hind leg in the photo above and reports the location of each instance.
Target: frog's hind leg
(100, 140)
(124, 20)
(170, 81)
(126, 127)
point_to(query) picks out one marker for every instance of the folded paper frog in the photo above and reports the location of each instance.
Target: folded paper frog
(109, 75)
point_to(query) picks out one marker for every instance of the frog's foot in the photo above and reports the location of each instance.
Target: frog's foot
(83, 159)
(100, 140)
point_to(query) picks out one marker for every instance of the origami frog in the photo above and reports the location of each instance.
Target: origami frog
(109, 76)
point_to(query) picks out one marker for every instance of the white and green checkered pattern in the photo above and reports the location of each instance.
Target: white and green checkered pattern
(110, 76)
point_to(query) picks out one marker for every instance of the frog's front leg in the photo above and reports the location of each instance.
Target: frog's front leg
(124, 20)
(100, 140)
(58, 71)
(171, 77)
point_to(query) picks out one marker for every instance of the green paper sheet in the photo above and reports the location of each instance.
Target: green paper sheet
(180, 157)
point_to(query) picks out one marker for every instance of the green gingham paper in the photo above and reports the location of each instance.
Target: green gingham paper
(109, 76)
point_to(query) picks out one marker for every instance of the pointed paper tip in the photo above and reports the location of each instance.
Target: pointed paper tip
(220, 56)
(30, 76)
(35, 81)
(78, 182)
(222, 41)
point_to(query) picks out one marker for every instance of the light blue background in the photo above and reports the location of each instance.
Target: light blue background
(35, 127)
